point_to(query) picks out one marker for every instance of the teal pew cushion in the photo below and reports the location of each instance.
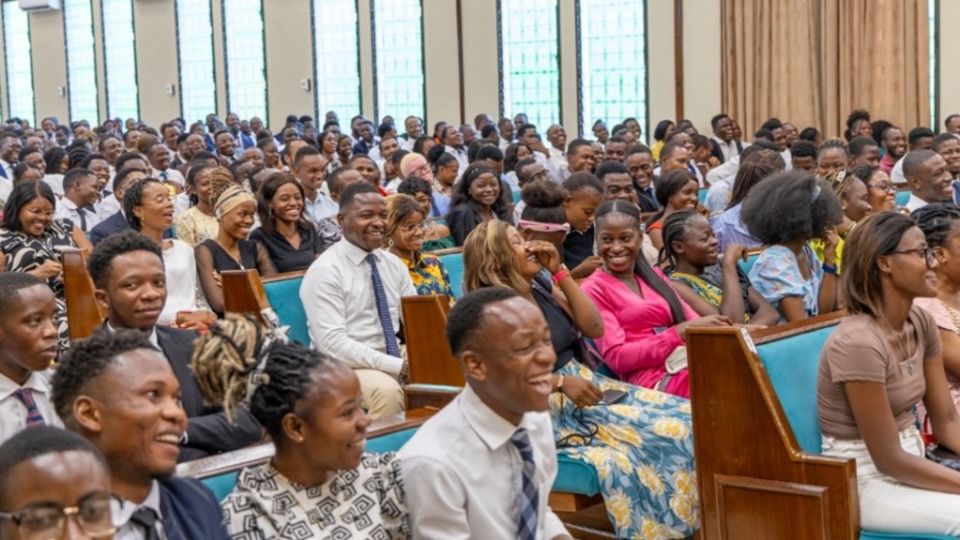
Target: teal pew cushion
(284, 297)
(792, 366)
(222, 485)
(902, 198)
(748, 264)
(453, 262)
(702, 195)
(575, 476)
(870, 535)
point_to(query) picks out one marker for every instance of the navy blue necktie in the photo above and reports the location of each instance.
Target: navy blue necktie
(34, 417)
(383, 308)
(529, 495)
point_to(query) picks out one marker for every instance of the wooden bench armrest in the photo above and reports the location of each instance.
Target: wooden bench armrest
(426, 395)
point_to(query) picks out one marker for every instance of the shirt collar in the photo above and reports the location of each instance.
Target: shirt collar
(35, 382)
(492, 428)
(356, 254)
(70, 205)
(123, 509)
(152, 337)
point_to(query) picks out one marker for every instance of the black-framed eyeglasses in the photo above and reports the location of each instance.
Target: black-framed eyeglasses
(46, 521)
(928, 254)
(883, 186)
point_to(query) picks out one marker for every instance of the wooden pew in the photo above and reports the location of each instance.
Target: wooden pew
(83, 313)
(754, 478)
(431, 361)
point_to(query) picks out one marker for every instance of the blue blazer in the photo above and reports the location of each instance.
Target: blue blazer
(114, 224)
(190, 511)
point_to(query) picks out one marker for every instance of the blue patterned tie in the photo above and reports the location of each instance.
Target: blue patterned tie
(529, 496)
(34, 418)
(383, 308)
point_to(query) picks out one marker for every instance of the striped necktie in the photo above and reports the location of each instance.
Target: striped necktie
(383, 308)
(529, 496)
(34, 418)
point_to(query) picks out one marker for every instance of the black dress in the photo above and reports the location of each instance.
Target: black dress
(563, 334)
(283, 255)
(223, 261)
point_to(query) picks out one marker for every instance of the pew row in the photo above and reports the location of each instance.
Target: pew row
(220, 472)
(83, 313)
(757, 437)
(433, 373)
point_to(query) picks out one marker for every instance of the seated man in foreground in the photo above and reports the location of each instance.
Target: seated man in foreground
(120, 394)
(127, 271)
(485, 464)
(351, 295)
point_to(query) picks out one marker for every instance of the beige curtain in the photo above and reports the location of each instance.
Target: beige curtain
(813, 61)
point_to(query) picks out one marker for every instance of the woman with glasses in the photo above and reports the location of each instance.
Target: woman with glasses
(438, 234)
(876, 367)
(31, 241)
(881, 191)
(639, 440)
(406, 229)
(784, 212)
(53, 481)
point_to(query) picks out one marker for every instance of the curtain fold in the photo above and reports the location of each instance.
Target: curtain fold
(813, 61)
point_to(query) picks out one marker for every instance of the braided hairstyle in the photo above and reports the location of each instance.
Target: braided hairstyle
(674, 227)
(221, 179)
(240, 362)
(937, 221)
(617, 208)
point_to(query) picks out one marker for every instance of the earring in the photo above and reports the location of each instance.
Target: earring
(390, 243)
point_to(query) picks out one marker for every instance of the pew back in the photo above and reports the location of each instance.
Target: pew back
(452, 259)
(431, 361)
(245, 292)
(83, 313)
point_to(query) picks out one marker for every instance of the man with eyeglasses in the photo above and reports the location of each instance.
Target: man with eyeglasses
(119, 392)
(53, 482)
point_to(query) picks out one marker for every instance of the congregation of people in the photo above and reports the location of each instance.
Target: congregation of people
(586, 263)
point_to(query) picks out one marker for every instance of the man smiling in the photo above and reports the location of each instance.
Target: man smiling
(351, 295)
(485, 464)
(119, 393)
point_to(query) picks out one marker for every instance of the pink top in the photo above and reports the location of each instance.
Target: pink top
(630, 346)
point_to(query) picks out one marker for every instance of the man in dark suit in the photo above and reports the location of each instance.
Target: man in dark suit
(127, 271)
(114, 221)
(117, 391)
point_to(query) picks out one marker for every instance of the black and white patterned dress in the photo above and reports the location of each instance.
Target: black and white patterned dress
(24, 253)
(366, 502)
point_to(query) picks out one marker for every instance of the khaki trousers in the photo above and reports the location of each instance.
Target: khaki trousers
(382, 394)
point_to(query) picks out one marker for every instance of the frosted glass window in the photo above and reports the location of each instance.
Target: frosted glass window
(198, 88)
(398, 29)
(336, 51)
(246, 71)
(120, 57)
(530, 60)
(613, 64)
(16, 47)
(81, 61)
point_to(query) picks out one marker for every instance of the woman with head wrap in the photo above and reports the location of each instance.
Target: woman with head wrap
(234, 208)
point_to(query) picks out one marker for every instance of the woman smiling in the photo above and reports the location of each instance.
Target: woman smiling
(289, 238)
(406, 230)
(476, 199)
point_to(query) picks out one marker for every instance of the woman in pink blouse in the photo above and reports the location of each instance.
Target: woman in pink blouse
(645, 320)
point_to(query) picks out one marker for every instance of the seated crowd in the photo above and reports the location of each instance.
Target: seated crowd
(585, 264)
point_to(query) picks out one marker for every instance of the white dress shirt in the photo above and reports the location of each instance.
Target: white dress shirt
(461, 156)
(55, 181)
(915, 203)
(729, 149)
(337, 295)
(13, 413)
(6, 187)
(172, 175)
(322, 207)
(7, 169)
(123, 510)
(180, 267)
(67, 209)
(896, 173)
(558, 157)
(107, 207)
(463, 475)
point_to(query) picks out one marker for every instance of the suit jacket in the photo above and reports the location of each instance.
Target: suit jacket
(208, 430)
(247, 141)
(190, 510)
(112, 225)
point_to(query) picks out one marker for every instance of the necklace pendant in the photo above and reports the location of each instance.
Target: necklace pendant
(910, 367)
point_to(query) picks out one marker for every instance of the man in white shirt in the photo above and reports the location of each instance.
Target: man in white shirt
(722, 139)
(80, 193)
(453, 144)
(484, 465)
(351, 295)
(10, 147)
(557, 136)
(919, 138)
(28, 344)
(159, 158)
(310, 169)
(414, 130)
(929, 179)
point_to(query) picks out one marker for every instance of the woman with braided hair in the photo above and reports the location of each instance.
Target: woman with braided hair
(234, 208)
(940, 223)
(310, 407)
